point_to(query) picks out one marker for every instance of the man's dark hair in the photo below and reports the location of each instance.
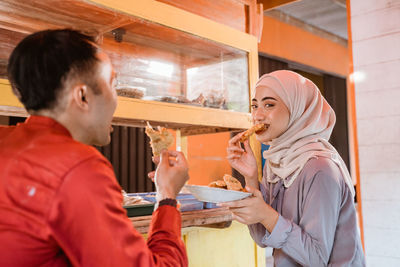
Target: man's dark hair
(42, 61)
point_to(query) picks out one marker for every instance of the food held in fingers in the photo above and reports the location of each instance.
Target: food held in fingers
(160, 139)
(258, 128)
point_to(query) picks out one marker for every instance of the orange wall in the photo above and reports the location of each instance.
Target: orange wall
(207, 157)
(295, 44)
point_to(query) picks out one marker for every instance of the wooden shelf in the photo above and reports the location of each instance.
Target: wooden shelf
(214, 218)
(190, 120)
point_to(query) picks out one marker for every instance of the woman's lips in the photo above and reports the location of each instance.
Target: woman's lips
(262, 130)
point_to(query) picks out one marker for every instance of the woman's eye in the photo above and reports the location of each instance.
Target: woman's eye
(268, 105)
(253, 106)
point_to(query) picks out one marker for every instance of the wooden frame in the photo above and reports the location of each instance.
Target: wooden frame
(352, 120)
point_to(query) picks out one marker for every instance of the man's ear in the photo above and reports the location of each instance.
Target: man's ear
(79, 96)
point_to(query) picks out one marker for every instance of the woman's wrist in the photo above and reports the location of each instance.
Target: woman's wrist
(252, 181)
(270, 220)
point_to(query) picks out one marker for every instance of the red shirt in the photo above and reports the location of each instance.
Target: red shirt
(60, 205)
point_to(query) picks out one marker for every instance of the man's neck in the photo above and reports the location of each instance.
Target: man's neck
(44, 113)
(72, 125)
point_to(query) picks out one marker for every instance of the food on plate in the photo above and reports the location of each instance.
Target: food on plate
(160, 139)
(232, 183)
(218, 184)
(229, 182)
(255, 129)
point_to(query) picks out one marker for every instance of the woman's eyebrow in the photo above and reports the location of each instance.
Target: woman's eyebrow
(264, 98)
(268, 98)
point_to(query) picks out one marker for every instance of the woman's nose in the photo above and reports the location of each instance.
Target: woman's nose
(258, 115)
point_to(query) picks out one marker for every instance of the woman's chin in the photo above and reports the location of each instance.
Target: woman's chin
(263, 139)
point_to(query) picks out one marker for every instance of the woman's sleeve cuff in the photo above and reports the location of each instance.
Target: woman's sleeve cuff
(279, 235)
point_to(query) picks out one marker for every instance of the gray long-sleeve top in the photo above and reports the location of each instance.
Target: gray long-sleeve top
(317, 225)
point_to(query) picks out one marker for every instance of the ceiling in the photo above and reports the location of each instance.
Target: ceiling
(327, 15)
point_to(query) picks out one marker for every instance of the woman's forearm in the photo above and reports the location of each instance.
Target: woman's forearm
(252, 182)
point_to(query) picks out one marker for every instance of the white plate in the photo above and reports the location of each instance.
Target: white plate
(215, 195)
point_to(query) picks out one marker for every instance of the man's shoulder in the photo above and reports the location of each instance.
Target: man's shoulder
(44, 150)
(72, 152)
(58, 153)
(5, 130)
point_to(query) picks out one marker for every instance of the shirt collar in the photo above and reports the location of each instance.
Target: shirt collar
(48, 123)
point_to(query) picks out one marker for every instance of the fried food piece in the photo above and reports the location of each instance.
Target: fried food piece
(256, 128)
(229, 182)
(218, 184)
(232, 183)
(160, 139)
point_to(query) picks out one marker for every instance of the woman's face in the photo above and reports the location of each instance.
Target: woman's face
(269, 109)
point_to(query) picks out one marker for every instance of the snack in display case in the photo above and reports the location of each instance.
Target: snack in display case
(168, 99)
(129, 91)
(186, 202)
(215, 99)
(136, 205)
(200, 100)
(130, 200)
(210, 101)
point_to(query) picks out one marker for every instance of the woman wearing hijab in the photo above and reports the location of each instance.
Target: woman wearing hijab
(303, 207)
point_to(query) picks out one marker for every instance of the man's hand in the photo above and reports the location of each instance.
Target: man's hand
(171, 174)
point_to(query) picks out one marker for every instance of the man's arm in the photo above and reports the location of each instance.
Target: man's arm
(89, 224)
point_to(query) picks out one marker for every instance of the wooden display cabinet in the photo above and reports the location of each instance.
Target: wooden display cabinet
(151, 29)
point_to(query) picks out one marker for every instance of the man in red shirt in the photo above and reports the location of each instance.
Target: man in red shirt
(60, 204)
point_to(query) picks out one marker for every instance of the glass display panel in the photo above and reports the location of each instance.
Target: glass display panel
(155, 62)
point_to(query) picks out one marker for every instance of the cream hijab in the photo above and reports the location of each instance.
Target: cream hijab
(311, 122)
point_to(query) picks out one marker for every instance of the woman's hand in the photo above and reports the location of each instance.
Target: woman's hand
(253, 210)
(243, 160)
